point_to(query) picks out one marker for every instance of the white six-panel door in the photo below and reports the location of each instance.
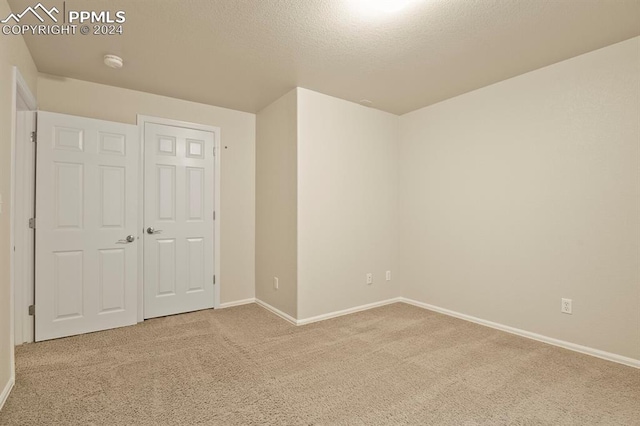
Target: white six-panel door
(86, 207)
(178, 220)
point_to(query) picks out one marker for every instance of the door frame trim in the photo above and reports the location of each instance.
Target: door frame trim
(141, 121)
(20, 90)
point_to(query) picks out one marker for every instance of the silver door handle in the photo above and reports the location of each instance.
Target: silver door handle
(129, 239)
(150, 230)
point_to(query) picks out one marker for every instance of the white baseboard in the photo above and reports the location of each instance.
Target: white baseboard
(549, 340)
(237, 303)
(631, 362)
(6, 391)
(278, 312)
(327, 315)
(347, 311)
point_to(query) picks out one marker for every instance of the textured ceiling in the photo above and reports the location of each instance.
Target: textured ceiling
(243, 54)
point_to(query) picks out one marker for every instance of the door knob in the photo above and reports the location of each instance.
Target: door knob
(129, 239)
(150, 230)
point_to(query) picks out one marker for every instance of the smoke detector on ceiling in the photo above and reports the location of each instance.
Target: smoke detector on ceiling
(113, 61)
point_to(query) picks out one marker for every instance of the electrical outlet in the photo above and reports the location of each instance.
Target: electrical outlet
(369, 278)
(566, 306)
(388, 275)
(276, 283)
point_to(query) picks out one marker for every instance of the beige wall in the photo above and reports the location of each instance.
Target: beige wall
(237, 135)
(521, 193)
(13, 52)
(276, 203)
(347, 185)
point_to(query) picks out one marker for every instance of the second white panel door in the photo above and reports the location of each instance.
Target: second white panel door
(178, 220)
(87, 213)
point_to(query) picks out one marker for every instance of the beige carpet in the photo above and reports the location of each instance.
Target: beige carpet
(393, 365)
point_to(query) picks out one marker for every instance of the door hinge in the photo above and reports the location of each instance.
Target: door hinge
(214, 279)
(34, 137)
(214, 215)
(32, 310)
(214, 151)
(32, 223)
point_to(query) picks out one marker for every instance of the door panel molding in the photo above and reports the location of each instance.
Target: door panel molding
(86, 219)
(192, 149)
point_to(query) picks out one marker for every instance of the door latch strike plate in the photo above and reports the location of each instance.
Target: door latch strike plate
(32, 310)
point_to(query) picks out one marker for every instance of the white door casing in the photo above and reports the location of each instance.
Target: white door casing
(179, 182)
(86, 207)
(24, 209)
